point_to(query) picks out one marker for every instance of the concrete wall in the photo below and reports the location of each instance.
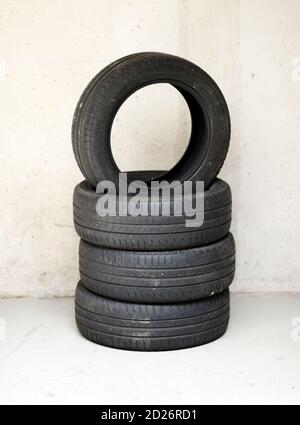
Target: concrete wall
(49, 50)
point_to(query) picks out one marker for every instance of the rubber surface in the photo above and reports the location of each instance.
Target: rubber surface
(107, 91)
(158, 277)
(79, 107)
(150, 327)
(152, 233)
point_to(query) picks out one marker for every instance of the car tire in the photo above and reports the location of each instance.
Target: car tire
(150, 327)
(152, 233)
(110, 88)
(158, 277)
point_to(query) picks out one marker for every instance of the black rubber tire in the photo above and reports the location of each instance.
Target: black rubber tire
(105, 94)
(150, 233)
(150, 327)
(79, 108)
(158, 277)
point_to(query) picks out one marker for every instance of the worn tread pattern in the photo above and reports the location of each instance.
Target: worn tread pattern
(150, 327)
(158, 277)
(152, 233)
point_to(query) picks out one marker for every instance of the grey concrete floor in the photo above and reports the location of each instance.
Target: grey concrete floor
(43, 359)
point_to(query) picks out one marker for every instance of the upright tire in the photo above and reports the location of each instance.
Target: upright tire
(150, 327)
(105, 94)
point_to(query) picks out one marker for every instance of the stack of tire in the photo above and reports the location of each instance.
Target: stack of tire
(151, 282)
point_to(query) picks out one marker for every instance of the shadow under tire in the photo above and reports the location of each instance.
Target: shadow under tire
(150, 327)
